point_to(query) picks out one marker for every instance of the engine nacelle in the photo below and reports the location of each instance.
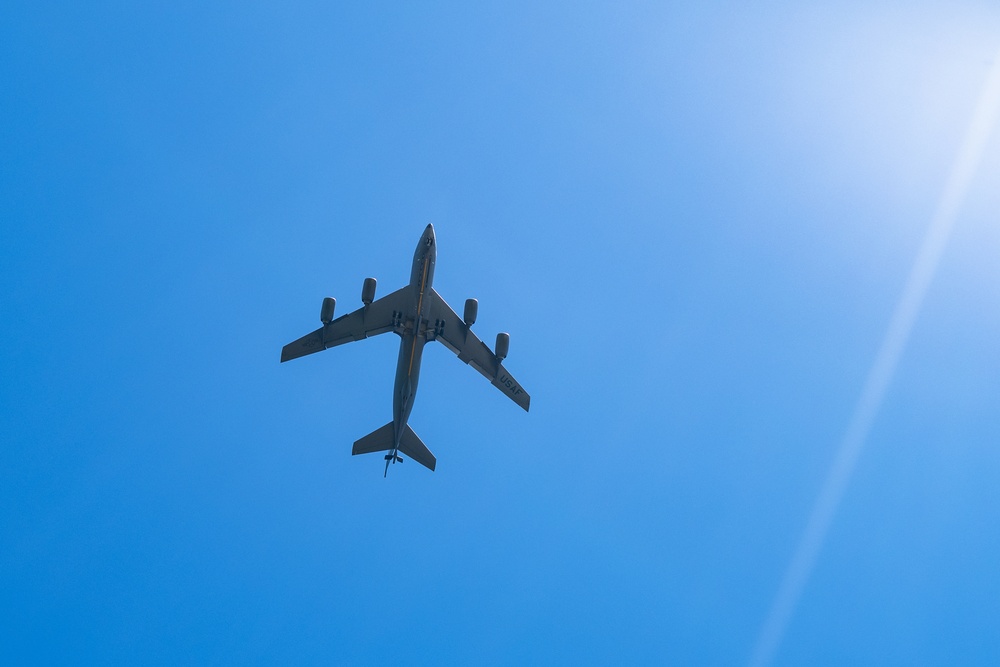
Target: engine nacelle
(368, 291)
(326, 312)
(502, 346)
(471, 311)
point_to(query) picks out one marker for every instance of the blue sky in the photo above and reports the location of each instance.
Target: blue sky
(696, 224)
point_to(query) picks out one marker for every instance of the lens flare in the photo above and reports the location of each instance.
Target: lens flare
(880, 375)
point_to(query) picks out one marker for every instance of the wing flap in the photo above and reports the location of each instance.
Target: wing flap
(376, 318)
(454, 334)
(508, 385)
(312, 342)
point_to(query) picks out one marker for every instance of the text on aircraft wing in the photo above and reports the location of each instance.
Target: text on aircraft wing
(378, 317)
(458, 337)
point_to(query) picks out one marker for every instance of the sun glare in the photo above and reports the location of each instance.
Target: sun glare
(960, 177)
(881, 102)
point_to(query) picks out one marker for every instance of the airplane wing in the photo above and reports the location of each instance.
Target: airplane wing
(451, 330)
(378, 317)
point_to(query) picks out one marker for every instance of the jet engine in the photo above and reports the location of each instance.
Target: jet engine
(326, 312)
(471, 311)
(502, 346)
(368, 291)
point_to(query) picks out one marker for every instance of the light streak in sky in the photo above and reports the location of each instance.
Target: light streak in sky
(880, 375)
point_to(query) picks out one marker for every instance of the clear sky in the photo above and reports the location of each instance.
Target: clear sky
(696, 224)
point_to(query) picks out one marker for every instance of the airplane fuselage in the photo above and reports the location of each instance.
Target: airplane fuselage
(414, 337)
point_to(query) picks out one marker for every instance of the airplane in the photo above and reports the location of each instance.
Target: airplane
(418, 314)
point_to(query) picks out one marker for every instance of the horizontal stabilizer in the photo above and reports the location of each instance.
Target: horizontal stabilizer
(379, 440)
(411, 445)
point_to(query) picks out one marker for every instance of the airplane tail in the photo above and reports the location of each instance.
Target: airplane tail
(383, 440)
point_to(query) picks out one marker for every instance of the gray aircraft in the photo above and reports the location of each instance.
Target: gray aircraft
(418, 314)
